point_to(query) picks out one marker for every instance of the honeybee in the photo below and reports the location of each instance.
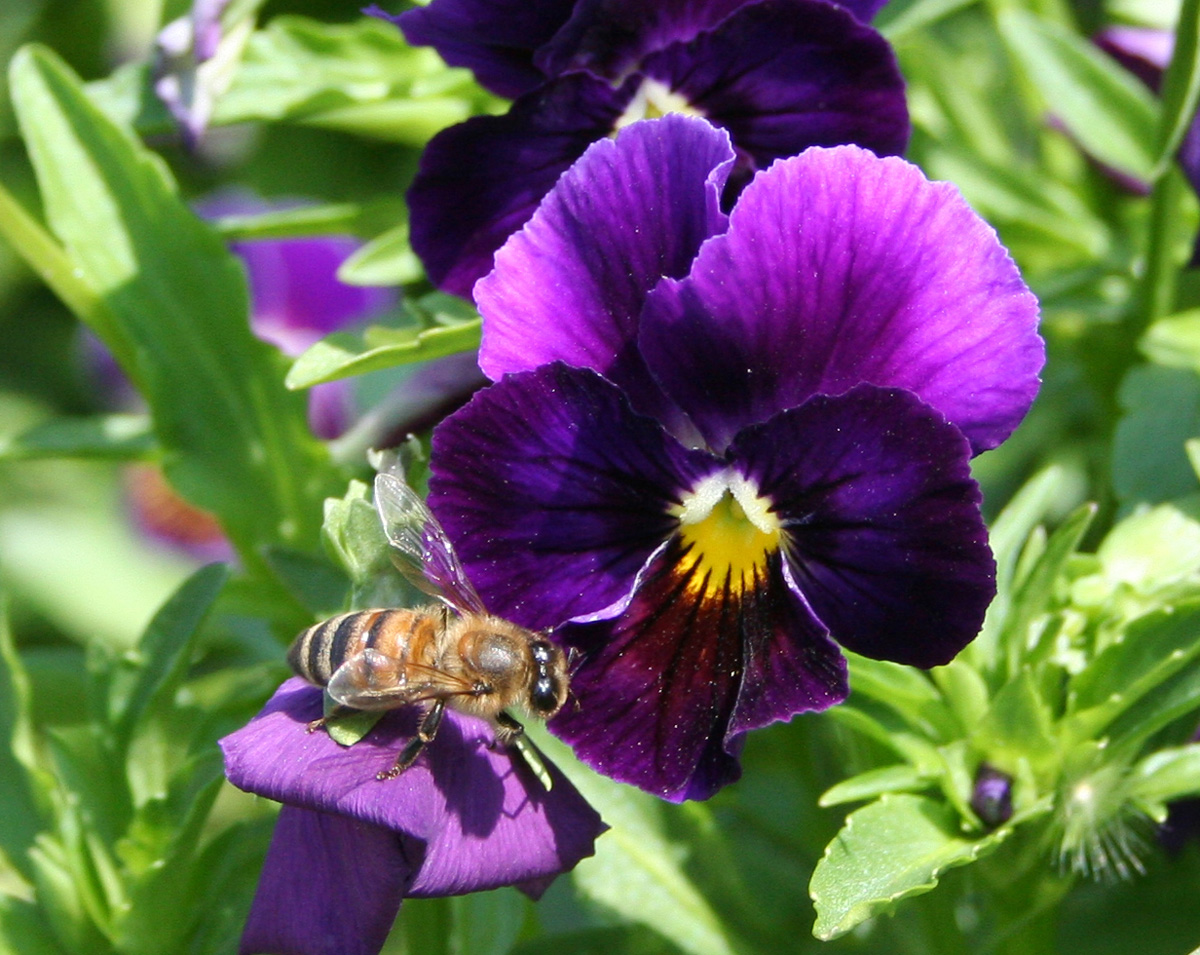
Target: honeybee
(453, 654)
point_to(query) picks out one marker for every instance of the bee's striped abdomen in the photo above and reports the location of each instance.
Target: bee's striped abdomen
(318, 651)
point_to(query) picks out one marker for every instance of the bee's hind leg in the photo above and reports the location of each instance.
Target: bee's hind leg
(333, 714)
(425, 734)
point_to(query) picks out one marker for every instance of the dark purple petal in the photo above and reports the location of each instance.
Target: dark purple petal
(881, 517)
(555, 492)
(839, 267)
(1145, 52)
(331, 885)
(495, 39)
(783, 75)
(570, 285)
(471, 817)
(609, 38)
(667, 689)
(480, 181)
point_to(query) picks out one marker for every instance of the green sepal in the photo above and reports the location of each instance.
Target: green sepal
(388, 259)
(875, 782)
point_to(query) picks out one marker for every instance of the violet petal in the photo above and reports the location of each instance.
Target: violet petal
(839, 267)
(570, 285)
(885, 540)
(555, 492)
(667, 688)
(783, 75)
(481, 180)
(481, 817)
(331, 885)
(496, 39)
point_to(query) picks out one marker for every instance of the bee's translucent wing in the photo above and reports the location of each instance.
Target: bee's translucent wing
(374, 681)
(420, 548)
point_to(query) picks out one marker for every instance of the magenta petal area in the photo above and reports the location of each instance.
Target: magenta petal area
(331, 885)
(667, 689)
(838, 268)
(468, 817)
(570, 285)
(884, 538)
(555, 492)
(496, 39)
(481, 180)
(783, 75)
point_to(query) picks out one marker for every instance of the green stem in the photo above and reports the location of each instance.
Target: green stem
(52, 264)
(1162, 244)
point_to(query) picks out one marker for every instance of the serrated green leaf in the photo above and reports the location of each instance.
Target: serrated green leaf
(344, 353)
(1108, 112)
(234, 441)
(1181, 85)
(116, 437)
(875, 782)
(890, 850)
(388, 259)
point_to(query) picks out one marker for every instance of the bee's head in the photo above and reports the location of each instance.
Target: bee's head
(550, 686)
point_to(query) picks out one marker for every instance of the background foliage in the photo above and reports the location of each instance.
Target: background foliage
(120, 664)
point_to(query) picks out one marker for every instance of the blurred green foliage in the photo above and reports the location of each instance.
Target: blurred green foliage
(120, 664)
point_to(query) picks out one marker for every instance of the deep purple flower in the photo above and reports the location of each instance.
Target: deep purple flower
(348, 848)
(719, 473)
(780, 75)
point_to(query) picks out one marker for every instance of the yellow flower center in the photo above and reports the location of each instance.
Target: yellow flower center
(652, 100)
(728, 532)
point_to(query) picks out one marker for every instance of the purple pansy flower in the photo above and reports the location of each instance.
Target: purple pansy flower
(348, 848)
(719, 444)
(780, 75)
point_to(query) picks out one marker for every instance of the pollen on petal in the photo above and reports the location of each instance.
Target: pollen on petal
(728, 533)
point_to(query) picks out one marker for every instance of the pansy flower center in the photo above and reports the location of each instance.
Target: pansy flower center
(728, 532)
(652, 100)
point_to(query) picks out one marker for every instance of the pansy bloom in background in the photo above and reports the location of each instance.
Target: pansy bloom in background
(718, 474)
(779, 75)
(348, 848)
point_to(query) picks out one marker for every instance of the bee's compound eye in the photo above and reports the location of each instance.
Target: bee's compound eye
(544, 697)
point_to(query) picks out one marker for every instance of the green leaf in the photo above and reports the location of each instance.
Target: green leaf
(388, 259)
(1167, 774)
(23, 930)
(890, 850)
(360, 77)
(24, 786)
(905, 690)
(1036, 593)
(328, 219)
(1018, 726)
(313, 582)
(1181, 85)
(1161, 411)
(343, 354)
(875, 782)
(234, 441)
(902, 17)
(964, 690)
(1108, 111)
(164, 652)
(1154, 548)
(116, 437)
(636, 871)
(1159, 687)
(1174, 341)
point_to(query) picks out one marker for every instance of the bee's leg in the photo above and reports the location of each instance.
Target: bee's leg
(425, 734)
(333, 714)
(507, 729)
